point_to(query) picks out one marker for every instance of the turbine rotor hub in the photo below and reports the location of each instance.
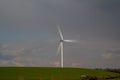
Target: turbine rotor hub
(61, 40)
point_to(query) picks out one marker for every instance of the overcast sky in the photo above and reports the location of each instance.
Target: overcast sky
(29, 37)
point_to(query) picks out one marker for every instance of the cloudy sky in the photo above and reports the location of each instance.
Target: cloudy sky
(29, 37)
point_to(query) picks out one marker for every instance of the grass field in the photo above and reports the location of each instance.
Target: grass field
(42, 73)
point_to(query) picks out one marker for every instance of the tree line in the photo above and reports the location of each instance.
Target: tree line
(110, 69)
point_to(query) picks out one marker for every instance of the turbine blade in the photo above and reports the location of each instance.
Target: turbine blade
(58, 50)
(72, 41)
(60, 33)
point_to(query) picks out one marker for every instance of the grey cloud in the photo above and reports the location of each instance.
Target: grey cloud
(111, 56)
(110, 60)
(114, 51)
(83, 18)
(2, 55)
(6, 57)
(44, 54)
(24, 12)
(28, 54)
(111, 6)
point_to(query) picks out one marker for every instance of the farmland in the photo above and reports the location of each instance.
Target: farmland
(47, 73)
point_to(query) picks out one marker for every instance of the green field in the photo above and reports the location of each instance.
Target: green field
(42, 73)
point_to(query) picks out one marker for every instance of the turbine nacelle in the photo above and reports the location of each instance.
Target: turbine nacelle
(61, 40)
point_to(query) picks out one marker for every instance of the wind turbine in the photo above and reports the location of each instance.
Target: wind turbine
(61, 45)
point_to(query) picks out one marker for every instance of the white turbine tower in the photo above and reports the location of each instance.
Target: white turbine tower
(60, 48)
